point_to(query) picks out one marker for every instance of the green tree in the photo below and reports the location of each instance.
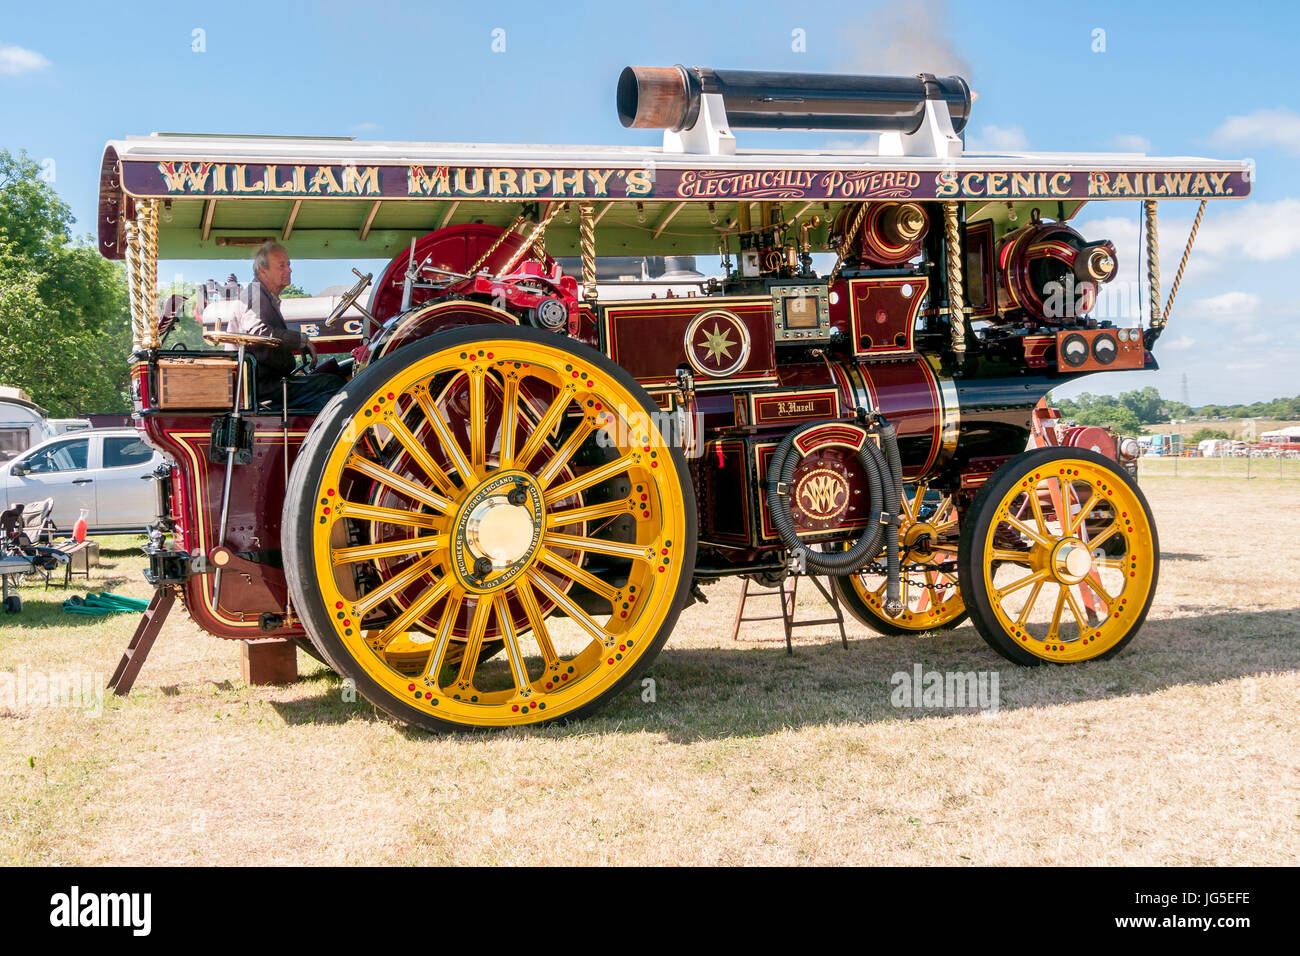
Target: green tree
(1112, 414)
(1145, 403)
(54, 367)
(1204, 434)
(34, 220)
(65, 320)
(186, 329)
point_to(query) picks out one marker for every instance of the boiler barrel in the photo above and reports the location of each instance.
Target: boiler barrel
(943, 423)
(669, 98)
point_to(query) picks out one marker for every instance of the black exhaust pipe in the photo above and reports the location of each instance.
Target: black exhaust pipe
(651, 97)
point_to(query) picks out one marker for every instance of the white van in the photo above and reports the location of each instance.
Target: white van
(23, 423)
(108, 472)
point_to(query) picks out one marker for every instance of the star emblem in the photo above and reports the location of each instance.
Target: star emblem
(718, 343)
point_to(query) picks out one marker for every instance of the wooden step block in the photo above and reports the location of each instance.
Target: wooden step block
(268, 661)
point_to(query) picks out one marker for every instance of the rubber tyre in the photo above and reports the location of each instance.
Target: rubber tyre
(869, 616)
(973, 560)
(302, 509)
(864, 603)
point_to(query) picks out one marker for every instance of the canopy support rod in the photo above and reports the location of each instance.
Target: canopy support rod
(1153, 263)
(587, 242)
(482, 260)
(209, 210)
(1187, 251)
(289, 223)
(854, 225)
(370, 219)
(667, 219)
(956, 289)
(451, 211)
(142, 273)
(536, 236)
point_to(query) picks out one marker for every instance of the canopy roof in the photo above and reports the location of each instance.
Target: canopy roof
(339, 198)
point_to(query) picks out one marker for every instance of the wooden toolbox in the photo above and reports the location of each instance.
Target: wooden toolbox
(196, 383)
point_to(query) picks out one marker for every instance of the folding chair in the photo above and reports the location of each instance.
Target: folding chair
(38, 523)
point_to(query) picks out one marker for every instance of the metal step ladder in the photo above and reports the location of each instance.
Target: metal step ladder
(142, 641)
(787, 615)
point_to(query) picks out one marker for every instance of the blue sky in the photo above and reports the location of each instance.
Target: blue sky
(1208, 79)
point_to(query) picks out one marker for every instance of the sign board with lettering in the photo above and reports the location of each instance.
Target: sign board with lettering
(227, 193)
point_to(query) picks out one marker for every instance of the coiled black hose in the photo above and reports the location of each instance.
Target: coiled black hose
(884, 474)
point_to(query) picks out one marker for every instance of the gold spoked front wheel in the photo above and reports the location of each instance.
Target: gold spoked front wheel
(1059, 559)
(490, 489)
(928, 539)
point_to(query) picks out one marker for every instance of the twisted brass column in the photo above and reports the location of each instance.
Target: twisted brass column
(1153, 263)
(956, 291)
(587, 241)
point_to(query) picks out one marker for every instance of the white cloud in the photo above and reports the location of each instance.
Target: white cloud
(870, 143)
(1180, 344)
(1230, 306)
(1263, 231)
(15, 60)
(999, 138)
(1132, 143)
(1259, 231)
(1121, 230)
(1270, 127)
(366, 127)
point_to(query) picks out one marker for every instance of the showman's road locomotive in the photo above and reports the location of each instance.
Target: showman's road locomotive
(532, 470)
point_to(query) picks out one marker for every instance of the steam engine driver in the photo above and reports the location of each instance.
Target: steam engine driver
(271, 275)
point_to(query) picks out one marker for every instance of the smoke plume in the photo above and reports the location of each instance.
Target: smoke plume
(905, 37)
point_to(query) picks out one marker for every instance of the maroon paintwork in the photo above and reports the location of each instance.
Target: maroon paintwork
(249, 588)
(455, 248)
(873, 365)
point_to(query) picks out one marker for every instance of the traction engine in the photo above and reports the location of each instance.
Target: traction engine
(530, 474)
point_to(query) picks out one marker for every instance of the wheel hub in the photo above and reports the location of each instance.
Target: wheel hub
(918, 550)
(1071, 561)
(497, 531)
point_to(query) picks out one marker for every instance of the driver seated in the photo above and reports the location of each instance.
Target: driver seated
(271, 275)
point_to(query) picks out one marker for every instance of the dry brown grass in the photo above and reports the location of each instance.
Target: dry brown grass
(1183, 750)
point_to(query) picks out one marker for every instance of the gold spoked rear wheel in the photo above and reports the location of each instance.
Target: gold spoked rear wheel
(482, 489)
(928, 536)
(1059, 558)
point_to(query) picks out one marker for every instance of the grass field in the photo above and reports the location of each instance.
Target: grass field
(1156, 466)
(1182, 750)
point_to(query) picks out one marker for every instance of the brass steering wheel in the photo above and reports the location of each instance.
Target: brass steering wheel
(238, 338)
